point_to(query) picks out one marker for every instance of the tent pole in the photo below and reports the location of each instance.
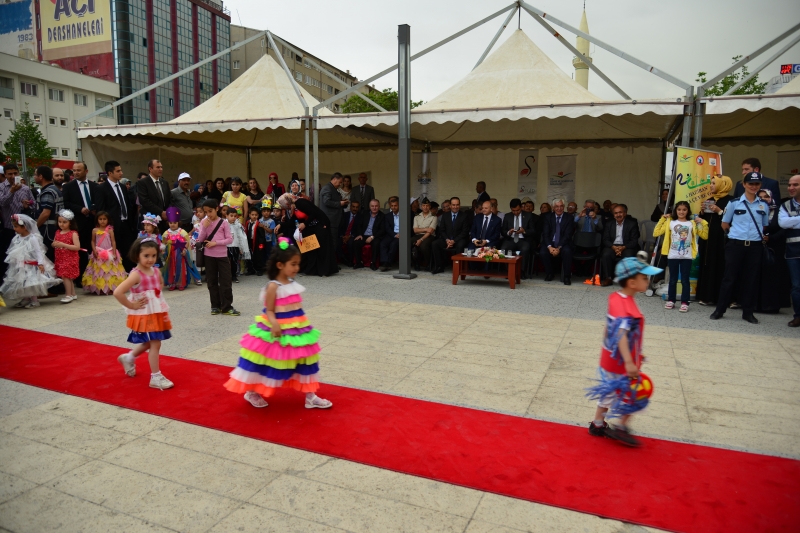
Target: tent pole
(249, 156)
(306, 171)
(316, 153)
(575, 51)
(496, 36)
(766, 63)
(404, 148)
(699, 111)
(289, 75)
(687, 117)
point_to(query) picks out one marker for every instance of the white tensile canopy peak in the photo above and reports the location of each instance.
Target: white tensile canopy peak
(518, 73)
(793, 87)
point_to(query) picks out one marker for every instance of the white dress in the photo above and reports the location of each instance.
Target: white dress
(23, 277)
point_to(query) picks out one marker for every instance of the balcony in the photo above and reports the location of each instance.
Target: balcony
(217, 5)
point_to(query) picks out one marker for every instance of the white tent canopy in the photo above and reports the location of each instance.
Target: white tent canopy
(793, 87)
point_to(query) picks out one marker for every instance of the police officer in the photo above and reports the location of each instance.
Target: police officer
(745, 219)
(789, 220)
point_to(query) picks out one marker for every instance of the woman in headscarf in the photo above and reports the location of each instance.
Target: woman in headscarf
(661, 207)
(775, 286)
(296, 190)
(197, 196)
(712, 250)
(313, 221)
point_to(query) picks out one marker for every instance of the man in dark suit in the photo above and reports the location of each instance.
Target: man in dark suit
(80, 197)
(485, 228)
(518, 231)
(752, 164)
(116, 200)
(370, 230)
(557, 230)
(620, 239)
(453, 234)
(363, 193)
(347, 229)
(390, 244)
(331, 203)
(483, 196)
(155, 193)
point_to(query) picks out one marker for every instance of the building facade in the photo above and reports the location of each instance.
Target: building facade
(55, 98)
(318, 84)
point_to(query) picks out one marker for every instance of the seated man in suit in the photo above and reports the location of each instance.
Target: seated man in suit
(368, 230)
(557, 230)
(390, 245)
(518, 231)
(485, 228)
(620, 239)
(347, 228)
(453, 231)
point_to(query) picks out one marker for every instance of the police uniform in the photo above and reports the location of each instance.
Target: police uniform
(743, 252)
(789, 220)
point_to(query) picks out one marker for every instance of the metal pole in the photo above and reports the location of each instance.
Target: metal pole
(292, 81)
(687, 116)
(24, 159)
(404, 147)
(316, 153)
(766, 63)
(306, 173)
(249, 154)
(699, 111)
(575, 51)
(369, 101)
(496, 36)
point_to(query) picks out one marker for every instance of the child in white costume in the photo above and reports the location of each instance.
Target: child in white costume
(29, 273)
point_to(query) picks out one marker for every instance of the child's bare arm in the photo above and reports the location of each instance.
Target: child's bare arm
(625, 352)
(119, 293)
(269, 304)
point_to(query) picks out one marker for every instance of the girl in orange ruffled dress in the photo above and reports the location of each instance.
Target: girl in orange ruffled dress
(280, 349)
(148, 316)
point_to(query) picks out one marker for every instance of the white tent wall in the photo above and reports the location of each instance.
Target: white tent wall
(732, 157)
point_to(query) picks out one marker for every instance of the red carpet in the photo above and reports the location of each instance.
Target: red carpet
(668, 485)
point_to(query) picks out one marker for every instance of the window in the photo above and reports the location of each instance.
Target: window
(62, 122)
(171, 102)
(51, 121)
(81, 100)
(65, 152)
(6, 88)
(263, 43)
(56, 95)
(54, 152)
(30, 89)
(100, 104)
(37, 118)
(306, 63)
(235, 65)
(298, 76)
(8, 113)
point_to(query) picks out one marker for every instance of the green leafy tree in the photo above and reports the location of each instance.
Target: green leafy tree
(723, 85)
(386, 98)
(37, 149)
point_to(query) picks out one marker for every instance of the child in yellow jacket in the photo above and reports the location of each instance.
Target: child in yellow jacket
(681, 230)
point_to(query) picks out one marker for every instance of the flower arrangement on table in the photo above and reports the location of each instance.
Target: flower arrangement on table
(488, 253)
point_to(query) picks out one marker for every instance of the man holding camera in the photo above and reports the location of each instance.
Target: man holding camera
(587, 220)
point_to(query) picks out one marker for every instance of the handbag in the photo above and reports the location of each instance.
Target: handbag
(767, 255)
(201, 247)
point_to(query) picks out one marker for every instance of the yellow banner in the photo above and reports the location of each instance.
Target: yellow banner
(74, 28)
(693, 172)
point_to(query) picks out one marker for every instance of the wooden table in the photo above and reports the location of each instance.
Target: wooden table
(513, 274)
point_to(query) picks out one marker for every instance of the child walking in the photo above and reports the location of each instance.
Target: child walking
(680, 230)
(215, 236)
(237, 249)
(178, 264)
(29, 272)
(148, 317)
(621, 356)
(280, 349)
(67, 244)
(104, 272)
(257, 244)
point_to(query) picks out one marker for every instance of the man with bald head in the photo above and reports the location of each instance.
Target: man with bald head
(789, 220)
(557, 230)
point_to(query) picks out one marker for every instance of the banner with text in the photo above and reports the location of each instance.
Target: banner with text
(788, 166)
(561, 173)
(72, 28)
(693, 172)
(527, 174)
(17, 31)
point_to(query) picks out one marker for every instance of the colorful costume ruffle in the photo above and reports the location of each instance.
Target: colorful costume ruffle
(23, 278)
(105, 272)
(151, 322)
(178, 268)
(291, 361)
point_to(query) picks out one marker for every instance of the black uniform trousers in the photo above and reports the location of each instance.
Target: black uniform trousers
(439, 250)
(742, 264)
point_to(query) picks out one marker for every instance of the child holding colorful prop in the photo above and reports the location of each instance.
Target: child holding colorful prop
(178, 264)
(148, 317)
(280, 349)
(104, 272)
(621, 387)
(29, 273)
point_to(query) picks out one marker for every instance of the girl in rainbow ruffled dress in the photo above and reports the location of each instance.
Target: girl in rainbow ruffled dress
(178, 264)
(148, 316)
(150, 229)
(280, 349)
(104, 272)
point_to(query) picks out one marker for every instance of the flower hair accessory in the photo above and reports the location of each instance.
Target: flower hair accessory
(283, 243)
(66, 214)
(148, 239)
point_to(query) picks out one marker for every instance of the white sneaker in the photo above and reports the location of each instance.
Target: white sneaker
(255, 399)
(67, 299)
(22, 303)
(158, 381)
(128, 362)
(31, 305)
(318, 403)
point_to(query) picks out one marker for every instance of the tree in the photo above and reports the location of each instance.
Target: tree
(723, 85)
(37, 149)
(387, 99)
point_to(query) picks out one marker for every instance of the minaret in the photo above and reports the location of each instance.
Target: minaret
(581, 69)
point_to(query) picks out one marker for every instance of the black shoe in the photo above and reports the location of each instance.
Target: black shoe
(598, 431)
(568, 281)
(548, 277)
(622, 436)
(373, 268)
(437, 270)
(259, 273)
(214, 311)
(750, 318)
(384, 269)
(716, 316)
(358, 265)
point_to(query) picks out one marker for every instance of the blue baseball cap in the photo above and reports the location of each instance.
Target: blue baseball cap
(630, 266)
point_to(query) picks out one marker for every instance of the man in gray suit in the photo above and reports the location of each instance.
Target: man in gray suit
(331, 203)
(362, 192)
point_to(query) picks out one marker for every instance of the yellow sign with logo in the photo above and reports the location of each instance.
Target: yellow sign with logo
(73, 28)
(693, 172)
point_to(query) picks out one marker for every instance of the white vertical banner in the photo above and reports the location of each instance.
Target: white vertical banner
(423, 181)
(527, 174)
(561, 170)
(788, 166)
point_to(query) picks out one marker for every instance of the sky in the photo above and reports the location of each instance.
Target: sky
(681, 37)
